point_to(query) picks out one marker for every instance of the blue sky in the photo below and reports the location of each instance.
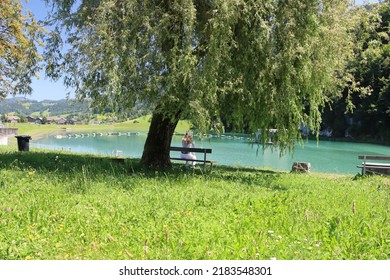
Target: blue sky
(44, 88)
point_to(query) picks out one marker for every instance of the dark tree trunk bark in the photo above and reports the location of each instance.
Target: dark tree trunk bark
(158, 142)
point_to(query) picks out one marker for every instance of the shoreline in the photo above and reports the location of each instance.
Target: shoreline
(230, 168)
(350, 140)
(142, 125)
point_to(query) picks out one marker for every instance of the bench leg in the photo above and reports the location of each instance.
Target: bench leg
(204, 162)
(364, 166)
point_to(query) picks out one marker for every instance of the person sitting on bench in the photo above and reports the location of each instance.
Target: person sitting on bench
(188, 142)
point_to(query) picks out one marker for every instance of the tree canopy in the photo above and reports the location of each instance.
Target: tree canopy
(369, 114)
(264, 64)
(19, 59)
(371, 68)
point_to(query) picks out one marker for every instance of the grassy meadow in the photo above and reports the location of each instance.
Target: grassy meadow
(58, 205)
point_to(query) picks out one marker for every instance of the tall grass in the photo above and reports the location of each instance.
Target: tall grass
(66, 206)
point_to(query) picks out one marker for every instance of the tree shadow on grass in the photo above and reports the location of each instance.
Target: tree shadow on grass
(253, 177)
(71, 164)
(244, 176)
(62, 162)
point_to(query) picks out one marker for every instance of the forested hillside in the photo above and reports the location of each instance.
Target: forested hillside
(26, 107)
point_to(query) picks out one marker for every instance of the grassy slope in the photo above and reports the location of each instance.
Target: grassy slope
(65, 206)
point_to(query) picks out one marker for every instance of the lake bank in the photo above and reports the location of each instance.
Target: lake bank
(325, 157)
(142, 125)
(352, 140)
(43, 131)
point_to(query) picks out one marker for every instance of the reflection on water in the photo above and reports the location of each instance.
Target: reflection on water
(325, 156)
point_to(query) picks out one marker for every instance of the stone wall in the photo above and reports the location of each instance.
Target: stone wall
(5, 133)
(8, 131)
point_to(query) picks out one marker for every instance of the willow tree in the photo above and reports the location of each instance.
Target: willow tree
(260, 63)
(19, 59)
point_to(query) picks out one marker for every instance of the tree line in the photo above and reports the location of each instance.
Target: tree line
(368, 111)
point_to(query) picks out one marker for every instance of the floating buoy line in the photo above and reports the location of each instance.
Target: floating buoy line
(96, 134)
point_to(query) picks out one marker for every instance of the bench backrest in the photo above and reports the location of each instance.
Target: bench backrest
(375, 157)
(194, 150)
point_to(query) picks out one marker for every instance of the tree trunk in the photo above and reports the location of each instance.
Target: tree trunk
(158, 142)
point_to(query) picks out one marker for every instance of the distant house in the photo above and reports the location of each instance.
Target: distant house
(57, 120)
(73, 121)
(31, 119)
(13, 119)
(61, 121)
(52, 119)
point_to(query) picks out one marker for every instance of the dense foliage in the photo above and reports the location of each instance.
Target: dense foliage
(19, 59)
(266, 64)
(369, 114)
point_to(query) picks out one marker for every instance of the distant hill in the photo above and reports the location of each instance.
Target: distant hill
(26, 107)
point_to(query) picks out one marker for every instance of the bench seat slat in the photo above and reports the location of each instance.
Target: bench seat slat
(374, 165)
(196, 160)
(194, 150)
(375, 157)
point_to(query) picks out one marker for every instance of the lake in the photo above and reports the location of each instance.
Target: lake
(324, 156)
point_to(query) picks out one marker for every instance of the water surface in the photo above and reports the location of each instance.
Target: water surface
(324, 156)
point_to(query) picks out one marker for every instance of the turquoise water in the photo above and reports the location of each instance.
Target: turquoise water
(325, 156)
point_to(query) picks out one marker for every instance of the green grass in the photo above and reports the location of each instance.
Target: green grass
(66, 206)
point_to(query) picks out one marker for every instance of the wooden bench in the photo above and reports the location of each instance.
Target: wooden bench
(375, 167)
(194, 150)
